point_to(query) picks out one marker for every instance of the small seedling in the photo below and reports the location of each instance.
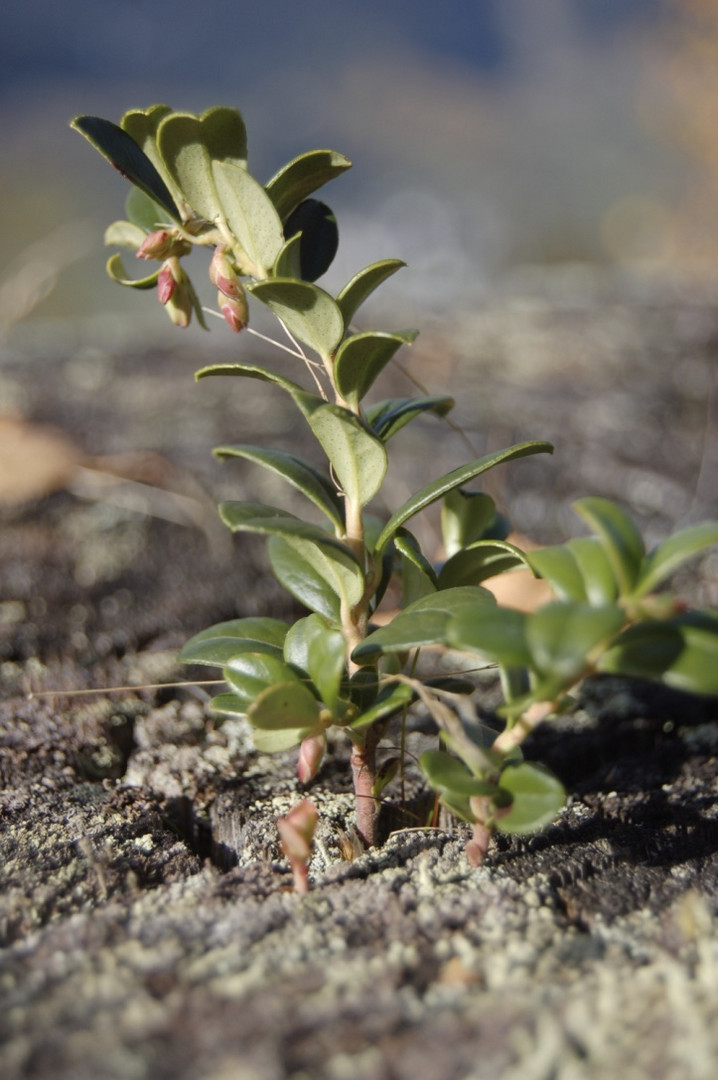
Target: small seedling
(333, 669)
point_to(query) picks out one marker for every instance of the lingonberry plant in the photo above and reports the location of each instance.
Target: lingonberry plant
(333, 668)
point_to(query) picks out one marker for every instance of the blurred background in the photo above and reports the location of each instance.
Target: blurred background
(486, 134)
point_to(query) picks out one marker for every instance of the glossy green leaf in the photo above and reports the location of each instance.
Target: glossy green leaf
(308, 312)
(358, 458)
(116, 270)
(562, 635)
(121, 150)
(422, 623)
(215, 644)
(408, 547)
(250, 216)
(303, 175)
(363, 284)
(228, 703)
(498, 634)
(672, 553)
(479, 561)
(326, 658)
(361, 358)
(390, 700)
(300, 577)
(334, 562)
(316, 226)
(620, 537)
(283, 706)
(595, 568)
(454, 479)
(296, 471)
(465, 517)
(557, 565)
(124, 234)
(250, 371)
(388, 417)
(446, 773)
(537, 798)
(288, 262)
(248, 674)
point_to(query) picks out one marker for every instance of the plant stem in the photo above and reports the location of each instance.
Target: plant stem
(363, 762)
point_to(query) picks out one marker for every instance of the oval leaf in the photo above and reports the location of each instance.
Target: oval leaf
(454, 479)
(117, 272)
(248, 674)
(562, 635)
(672, 553)
(595, 567)
(498, 634)
(363, 284)
(479, 561)
(250, 215)
(300, 577)
(557, 565)
(621, 539)
(211, 646)
(285, 706)
(307, 311)
(387, 417)
(358, 458)
(422, 623)
(361, 359)
(303, 175)
(446, 773)
(537, 798)
(124, 234)
(315, 225)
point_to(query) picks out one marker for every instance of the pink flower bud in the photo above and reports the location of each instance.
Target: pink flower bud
(311, 753)
(236, 312)
(162, 244)
(296, 833)
(166, 284)
(223, 275)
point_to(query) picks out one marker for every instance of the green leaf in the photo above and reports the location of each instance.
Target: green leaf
(189, 145)
(668, 556)
(288, 263)
(387, 417)
(695, 670)
(303, 175)
(408, 547)
(122, 152)
(537, 797)
(248, 674)
(333, 560)
(445, 773)
(283, 706)
(358, 458)
(562, 635)
(143, 211)
(124, 234)
(296, 471)
(253, 634)
(479, 561)
(422, 623)
(683, 652)
(645, 650)
(300, 577)
(362, 357)
(496, 633)
(142, 126)
(454, 479)
(117, 272)
(308, 312)
(250, 216)
(326, 653)
(363, 284)
(620, 537)
(251, 371)
(465, 517)
(595, 567)
(315, 224)
(228, 703)
(558, 566)
(390, 700)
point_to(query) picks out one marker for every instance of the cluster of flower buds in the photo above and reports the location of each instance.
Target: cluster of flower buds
(175, 292)
(311, 753)
(231, 297)
(163, 244)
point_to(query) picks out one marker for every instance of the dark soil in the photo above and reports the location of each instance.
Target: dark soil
(147, 921)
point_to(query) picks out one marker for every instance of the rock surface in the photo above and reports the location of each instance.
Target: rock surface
(147, 922)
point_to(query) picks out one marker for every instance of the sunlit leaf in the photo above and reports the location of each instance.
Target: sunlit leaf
(595, 567)
(362, 357)
(446, 773)
(116, 270)
(465, 517)
(563, 634)
(303, 175)
(672, 553)
(422, 623)
(249, 214)
(454, 479)
(537, 798)
(358, 458)
(248, 674)
(296, 471)
(300, 577)
(498, 634)
(218, 643)
(288, 262)
(620, 537)
(557, 565)
(283, 706)
(390, 700)
(480, 561)
(363, 284)
(124, 234)
(308, 312)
